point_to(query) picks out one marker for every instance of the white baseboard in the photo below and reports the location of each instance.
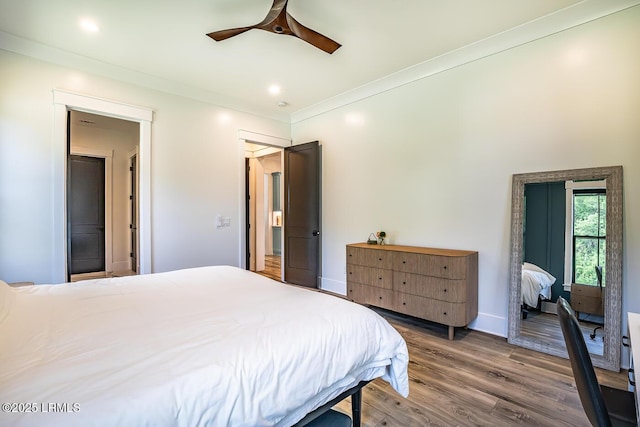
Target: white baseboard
(548, 307)
(490, 324)
(335, 286)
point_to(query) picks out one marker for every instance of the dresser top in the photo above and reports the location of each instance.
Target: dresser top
(414, 249)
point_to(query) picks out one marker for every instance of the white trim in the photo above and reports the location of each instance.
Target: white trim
(261, 138)
(245, 136)
(564, 19)
(569, 186)
(107, 155)
(64, 101)
(577, 14)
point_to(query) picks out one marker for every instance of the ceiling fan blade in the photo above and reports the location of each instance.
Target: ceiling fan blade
(277, 8)
(312, 37)
(279, 21)
(225, 34)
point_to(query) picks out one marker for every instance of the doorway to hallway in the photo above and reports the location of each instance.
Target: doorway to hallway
(264, 220)
(102, 199)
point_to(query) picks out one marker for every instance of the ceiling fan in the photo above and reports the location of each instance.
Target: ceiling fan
(279, 21)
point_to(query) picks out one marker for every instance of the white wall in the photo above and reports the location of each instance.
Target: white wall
(431, 162)
(120, 142)
(196, 169)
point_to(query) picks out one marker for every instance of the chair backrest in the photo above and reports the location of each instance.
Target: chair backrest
(599, 274)
(583, 372)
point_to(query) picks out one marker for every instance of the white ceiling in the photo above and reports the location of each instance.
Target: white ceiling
(163, 44)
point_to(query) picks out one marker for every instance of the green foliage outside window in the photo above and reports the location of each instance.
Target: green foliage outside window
(589, 236)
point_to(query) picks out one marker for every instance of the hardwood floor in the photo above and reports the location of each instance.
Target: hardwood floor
(475, 380)
(272, 267)
(100, 275)
(545, 326)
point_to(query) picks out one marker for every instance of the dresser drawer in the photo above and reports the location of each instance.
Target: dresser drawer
(370, 295)
(377, 277)
(447, 313)
(587, 305)
(450, 290)
(431, 265)
(587, 290)
(369, 257)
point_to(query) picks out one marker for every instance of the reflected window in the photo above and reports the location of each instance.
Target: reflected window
(585, 232)
(589, 236)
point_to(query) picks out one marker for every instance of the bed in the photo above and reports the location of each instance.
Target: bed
(211, 346)
(536, 284)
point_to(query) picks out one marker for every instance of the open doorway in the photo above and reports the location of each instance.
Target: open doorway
(102, 197)
(264, 218)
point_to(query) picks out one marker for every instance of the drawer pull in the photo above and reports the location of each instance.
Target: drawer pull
(445, 267)
(350, 255)
(625, 341)
(379, 278)
(380, 297)
(404, 303)
(632, 381)
(445, 290)
(404, 283)
(404, 262)
(445, 313)
(379, 259)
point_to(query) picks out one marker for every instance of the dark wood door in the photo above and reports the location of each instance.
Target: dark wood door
(85, 210)
(302, 214)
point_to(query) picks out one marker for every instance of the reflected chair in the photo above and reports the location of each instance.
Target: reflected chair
(604, 406)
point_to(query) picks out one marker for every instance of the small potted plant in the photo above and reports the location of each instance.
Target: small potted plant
(381, 235)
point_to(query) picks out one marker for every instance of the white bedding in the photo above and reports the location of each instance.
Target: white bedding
(212, 346)
(535, 281)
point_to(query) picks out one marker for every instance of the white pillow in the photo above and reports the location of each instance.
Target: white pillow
(550, 280)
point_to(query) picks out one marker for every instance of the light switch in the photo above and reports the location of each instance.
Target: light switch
(223, 221)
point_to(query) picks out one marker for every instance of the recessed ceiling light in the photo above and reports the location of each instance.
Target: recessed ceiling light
(89, 25)
(274, 89)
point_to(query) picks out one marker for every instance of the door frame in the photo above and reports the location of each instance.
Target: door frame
(134, 153)
(107, 155)
(257, 138)
(63, 102)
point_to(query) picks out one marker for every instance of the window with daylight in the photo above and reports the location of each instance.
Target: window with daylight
(589, 236)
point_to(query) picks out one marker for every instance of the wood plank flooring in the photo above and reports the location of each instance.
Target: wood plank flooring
(546, 327)
(272, 267)
(475, 380)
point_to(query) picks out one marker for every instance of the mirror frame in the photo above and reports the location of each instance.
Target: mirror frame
(613, 294)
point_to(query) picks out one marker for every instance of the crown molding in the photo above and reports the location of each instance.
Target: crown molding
(564, 19)
(30, 48)
(569, 17)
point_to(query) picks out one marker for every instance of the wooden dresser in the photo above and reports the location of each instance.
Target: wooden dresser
(587, 299)
(439, 285)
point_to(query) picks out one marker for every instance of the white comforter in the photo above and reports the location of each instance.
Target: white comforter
(535, 282)
(213, 346)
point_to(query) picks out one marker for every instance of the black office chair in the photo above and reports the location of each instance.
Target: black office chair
(604, 406)
(331, 418)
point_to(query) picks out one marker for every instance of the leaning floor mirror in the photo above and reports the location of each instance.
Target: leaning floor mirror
(566, 240)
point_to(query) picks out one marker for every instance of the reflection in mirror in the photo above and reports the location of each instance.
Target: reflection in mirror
(567, 241)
